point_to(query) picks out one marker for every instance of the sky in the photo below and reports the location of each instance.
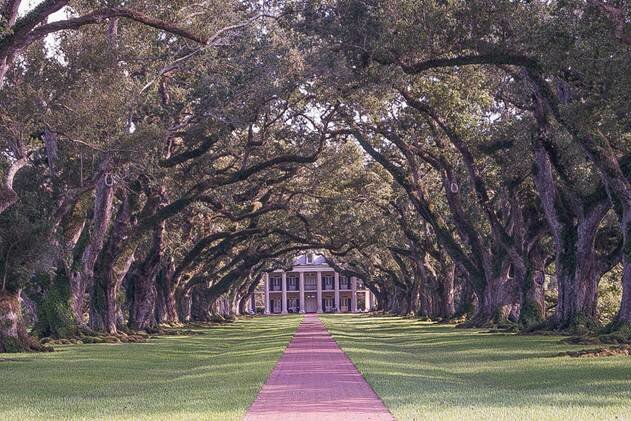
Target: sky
(27, 5)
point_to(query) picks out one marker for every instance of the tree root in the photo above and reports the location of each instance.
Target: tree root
(91, 337)
(599, 352)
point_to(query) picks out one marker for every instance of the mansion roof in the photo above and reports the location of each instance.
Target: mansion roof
(310, 259)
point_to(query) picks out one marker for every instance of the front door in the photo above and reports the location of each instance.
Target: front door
(311, 304)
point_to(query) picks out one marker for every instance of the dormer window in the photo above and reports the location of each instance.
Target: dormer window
(309, 258)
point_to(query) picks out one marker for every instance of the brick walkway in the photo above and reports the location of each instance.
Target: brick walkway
(315, 380)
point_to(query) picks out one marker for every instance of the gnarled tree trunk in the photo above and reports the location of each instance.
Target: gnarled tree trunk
(624, 314)
(531, 278)
(166, 287)
(7, 195)
(184, 300)
(55, 316)
(497, 301)
(201, 304)
(13, 335)
(103, 305)
(447, 293)
(143, 278)
(102, 216)
(573, 227)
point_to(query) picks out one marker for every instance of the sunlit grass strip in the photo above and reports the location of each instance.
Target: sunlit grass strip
(212, 376)
(435, 372)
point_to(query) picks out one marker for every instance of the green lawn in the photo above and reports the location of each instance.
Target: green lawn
(213, 376)
(435, 372)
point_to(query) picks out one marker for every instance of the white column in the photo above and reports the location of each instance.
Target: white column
(266, 280)
(302, 292)
(367, 300)
(319, 290)
(284, 280)
(353, 294)
(337, 292)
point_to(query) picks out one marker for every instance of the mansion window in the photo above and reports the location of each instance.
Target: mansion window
(293, 305)
(276, 284)
(311, 284)
(345, 282)
(329, 304)
(328, 282)
(277, 305)
(292, 283)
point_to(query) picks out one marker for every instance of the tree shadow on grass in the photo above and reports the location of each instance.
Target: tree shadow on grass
(419, 365)
(214, 375)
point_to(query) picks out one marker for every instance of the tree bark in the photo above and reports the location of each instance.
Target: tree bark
(200, 305)
(13, 335)
(531, 278)
(602, 155)
(55, 316)
(573, 227)
(166, 306)
(104, 196)
(107, 276)
(466, 299)
(624, 314)
(447, 293)
(184, 300)
(8, 196)
(166, 303)
(142, 309)
(496, 301)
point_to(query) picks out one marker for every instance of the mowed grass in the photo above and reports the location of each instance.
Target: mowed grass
(212, 376)
(426, 371)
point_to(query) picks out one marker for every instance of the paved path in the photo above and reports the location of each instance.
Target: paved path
(315, 380)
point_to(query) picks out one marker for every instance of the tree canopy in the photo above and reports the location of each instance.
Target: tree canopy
(465, 159)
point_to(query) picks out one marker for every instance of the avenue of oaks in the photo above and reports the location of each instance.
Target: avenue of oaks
(466, 159)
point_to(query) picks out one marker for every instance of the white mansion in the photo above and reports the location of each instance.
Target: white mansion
(312, 286)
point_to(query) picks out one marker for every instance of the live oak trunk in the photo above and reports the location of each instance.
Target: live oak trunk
(447, 293)
(577, 274)
(54, 316)
(381, 297)
(573, 227)
(166, 303)
(531, 279)
(624, 314)
(242, 306)
(143, 299)
(605, 158)
(143, 279)
(497, 302)
(112, 264)
(528, 261)
(13, 335)
(245, 305)
(466, 299)
(415, 305)
(81, 281)
(201, 305)
(184, 300)
(7, 195)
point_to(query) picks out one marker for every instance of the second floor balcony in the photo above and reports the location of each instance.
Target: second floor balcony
(311, 284)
